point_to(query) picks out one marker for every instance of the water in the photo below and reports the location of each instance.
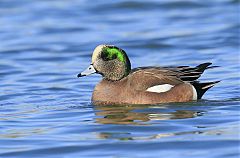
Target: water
(45, 110)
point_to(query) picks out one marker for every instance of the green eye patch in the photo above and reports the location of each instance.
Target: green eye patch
(110, 53)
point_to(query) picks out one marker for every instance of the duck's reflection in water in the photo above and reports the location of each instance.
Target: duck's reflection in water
(139, 114)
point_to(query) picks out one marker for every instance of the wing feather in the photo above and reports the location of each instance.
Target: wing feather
(144, 77)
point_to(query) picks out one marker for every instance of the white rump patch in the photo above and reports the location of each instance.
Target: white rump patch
(160, 88)
(194, 93)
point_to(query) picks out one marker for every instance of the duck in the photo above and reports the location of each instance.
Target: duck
(121, 84)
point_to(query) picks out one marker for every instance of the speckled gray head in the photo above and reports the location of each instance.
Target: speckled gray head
(109, 61)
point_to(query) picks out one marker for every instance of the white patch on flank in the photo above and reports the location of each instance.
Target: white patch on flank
(194, 93)
(160, 88)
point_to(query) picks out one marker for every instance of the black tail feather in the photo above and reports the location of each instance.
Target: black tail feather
(201, 88)
(203, 66)
(193, 73)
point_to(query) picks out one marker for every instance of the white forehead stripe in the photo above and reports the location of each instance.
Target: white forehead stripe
(96, 51)
(160, 88)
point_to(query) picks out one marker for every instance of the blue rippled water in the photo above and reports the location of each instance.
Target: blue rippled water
(45, 110)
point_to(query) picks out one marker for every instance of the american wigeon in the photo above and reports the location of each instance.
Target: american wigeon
(142, 85)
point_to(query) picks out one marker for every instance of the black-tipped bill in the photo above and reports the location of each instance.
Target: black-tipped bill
(90, 70)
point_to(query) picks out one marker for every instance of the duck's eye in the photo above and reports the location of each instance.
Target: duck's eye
(114, 56)
(104, 56)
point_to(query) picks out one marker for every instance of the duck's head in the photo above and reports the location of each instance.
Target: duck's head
(109, 61)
